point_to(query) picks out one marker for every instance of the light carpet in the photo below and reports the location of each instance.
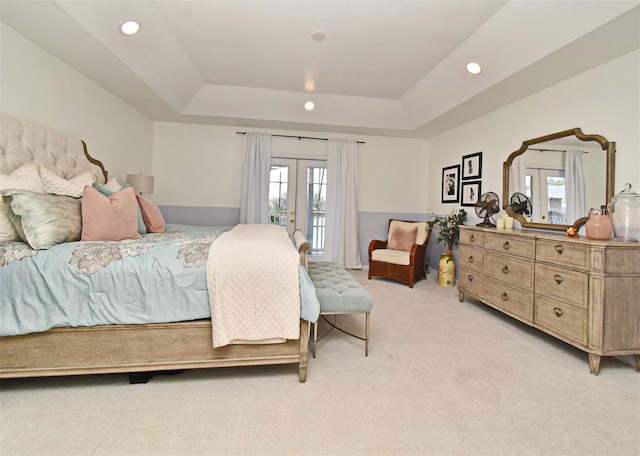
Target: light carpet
(442, 377)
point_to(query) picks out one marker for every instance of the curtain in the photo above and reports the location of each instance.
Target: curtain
(256, 167)
(341, 243)
(575, 189)
(518, 176)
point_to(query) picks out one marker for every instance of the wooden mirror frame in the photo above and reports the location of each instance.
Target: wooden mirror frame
(608, 146)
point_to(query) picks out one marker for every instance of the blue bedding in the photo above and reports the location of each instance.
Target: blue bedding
(158, 278)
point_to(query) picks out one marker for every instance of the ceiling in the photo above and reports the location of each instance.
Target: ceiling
(385, 67)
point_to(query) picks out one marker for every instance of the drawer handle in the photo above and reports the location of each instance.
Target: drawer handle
(471, 259)
(558, 311)
(505, 296)
(559, 249)
(506, 245)
(505, 270)
(472, 238)
(558, 279)
(470, 277)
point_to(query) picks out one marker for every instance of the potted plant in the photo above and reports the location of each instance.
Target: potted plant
(449, 231)
(449, 226)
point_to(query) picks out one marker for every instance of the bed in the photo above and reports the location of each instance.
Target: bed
(93, 311)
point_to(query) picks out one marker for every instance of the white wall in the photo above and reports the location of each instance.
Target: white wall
(200, 165)
(604, 100)
(38, 87)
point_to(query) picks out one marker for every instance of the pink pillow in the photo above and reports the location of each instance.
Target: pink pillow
(402, 239)
(151, 215)
(112, 218)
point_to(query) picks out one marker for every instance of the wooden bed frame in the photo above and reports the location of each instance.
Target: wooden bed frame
(138, 348)
(129, 348)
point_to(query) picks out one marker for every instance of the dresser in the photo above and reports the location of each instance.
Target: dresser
(583, 292)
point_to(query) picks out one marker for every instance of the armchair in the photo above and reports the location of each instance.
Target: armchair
(401, 256)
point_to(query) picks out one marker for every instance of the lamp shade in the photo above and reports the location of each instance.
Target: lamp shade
(140, 182)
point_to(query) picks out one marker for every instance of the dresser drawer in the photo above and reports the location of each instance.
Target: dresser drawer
(564, 284)
(512, 245)
(563, 253)
(472, 237)
(562, 318)
(515, 271)
(511, 299)
(471, 281)
(471, 258)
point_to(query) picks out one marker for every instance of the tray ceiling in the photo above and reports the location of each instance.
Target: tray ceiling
(385, 67)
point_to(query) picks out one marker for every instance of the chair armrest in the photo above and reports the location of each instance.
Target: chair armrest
(377, 244)
(418, 252)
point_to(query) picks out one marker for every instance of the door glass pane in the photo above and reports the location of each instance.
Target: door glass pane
(557, 202)
(316, 206)
(528, 184)
(278, 191)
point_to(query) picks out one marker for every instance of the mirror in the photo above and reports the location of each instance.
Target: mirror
(539, 172)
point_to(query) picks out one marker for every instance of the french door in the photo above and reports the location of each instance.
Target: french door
(548, 187)
(298, 197)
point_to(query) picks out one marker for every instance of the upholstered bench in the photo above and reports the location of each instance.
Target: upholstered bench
(339, 293)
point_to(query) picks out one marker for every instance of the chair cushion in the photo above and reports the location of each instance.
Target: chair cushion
(337, 290)
(391, 256)
(421, 233)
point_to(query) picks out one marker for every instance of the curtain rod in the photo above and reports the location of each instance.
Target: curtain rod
(298, 137)
(554, 150)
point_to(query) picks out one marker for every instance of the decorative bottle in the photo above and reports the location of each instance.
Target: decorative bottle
(599, 225)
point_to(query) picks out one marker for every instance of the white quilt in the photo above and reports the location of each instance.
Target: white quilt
(253, 285)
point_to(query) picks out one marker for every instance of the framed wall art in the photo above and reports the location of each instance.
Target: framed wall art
(472, 166)
(470, 192)
(451, 184)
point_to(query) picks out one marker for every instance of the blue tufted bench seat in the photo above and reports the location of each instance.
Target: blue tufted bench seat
(339, 293)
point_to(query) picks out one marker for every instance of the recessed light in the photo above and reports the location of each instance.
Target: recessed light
(474, 68)
(130, 27)
(309, 106)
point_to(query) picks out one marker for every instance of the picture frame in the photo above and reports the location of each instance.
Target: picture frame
(451, 184)
(470, 192)
(472, 166)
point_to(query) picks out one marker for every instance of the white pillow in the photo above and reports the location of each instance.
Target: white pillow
(27, 177)
(113, 185)
(56, 185)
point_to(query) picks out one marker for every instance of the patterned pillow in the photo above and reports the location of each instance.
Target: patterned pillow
(109, 218)
(44, 220)
(52, 183)
(27, 177)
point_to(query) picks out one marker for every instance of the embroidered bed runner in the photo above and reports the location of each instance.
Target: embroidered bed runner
(253, 285)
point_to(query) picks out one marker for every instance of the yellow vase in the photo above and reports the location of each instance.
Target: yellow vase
(447, 270)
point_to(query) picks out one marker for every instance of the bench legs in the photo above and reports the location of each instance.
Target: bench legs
(365, 338)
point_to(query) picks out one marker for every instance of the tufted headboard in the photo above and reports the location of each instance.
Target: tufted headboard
(22, 142)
